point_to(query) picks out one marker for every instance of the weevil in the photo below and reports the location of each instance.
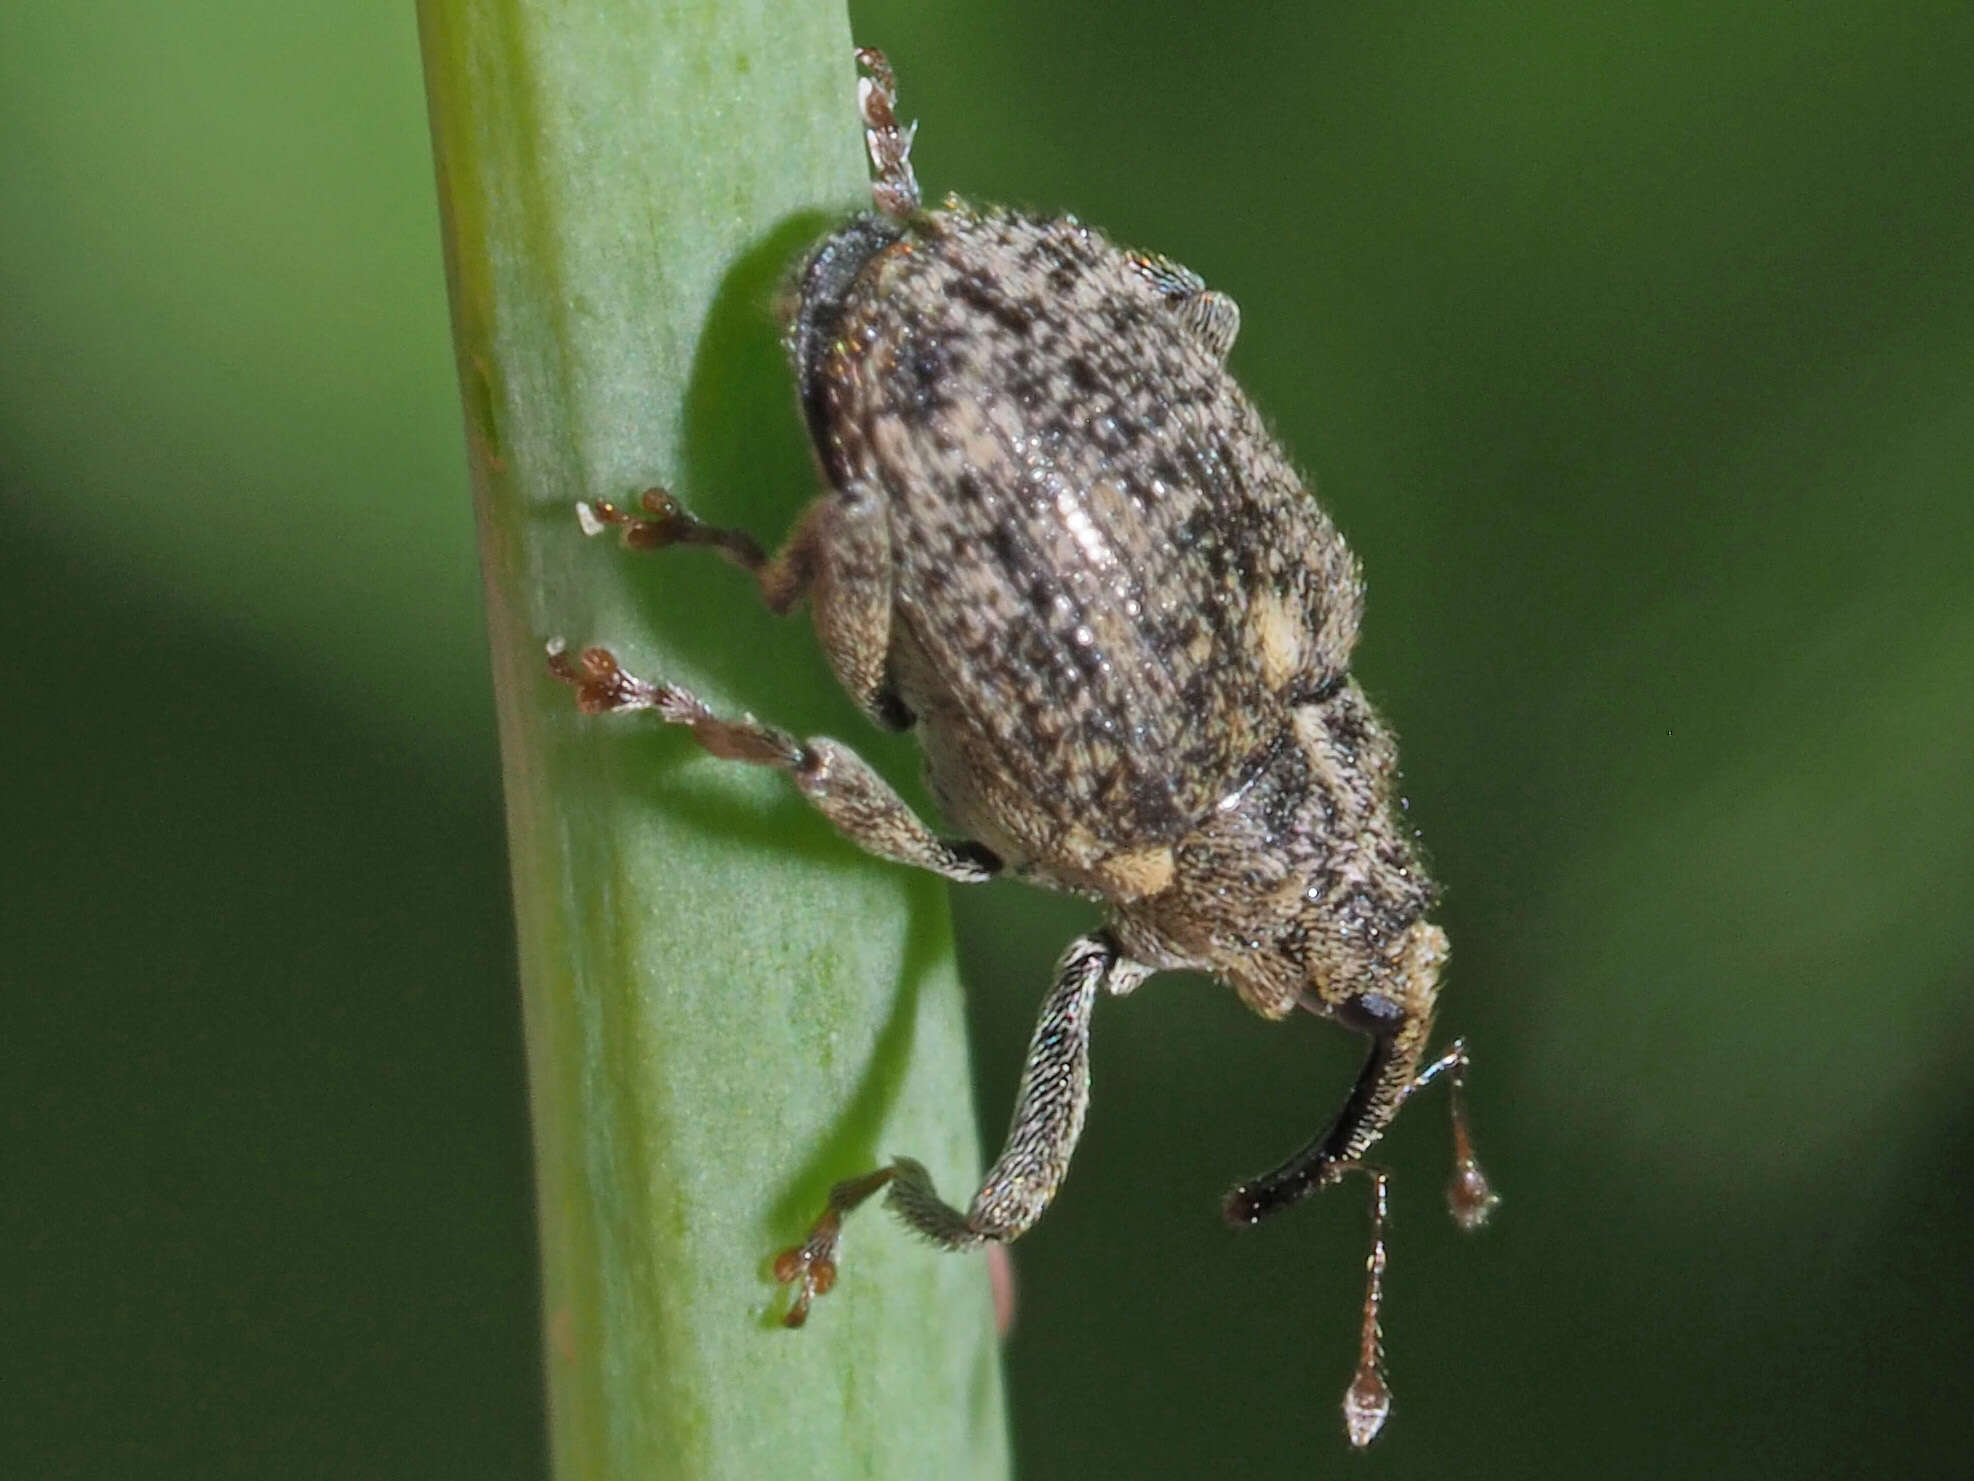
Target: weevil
(1059, 542)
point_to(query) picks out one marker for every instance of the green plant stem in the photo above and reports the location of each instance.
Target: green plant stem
(727, 1008)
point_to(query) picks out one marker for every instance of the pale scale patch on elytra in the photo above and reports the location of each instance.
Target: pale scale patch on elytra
(1307, 722)
(1277, 633)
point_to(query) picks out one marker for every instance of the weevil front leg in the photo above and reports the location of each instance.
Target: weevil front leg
(1470, 1198)
(1391, 1076)
(1048, 1119)
(835, 779)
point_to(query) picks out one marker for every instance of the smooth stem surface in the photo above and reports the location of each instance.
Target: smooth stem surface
(727, 1007)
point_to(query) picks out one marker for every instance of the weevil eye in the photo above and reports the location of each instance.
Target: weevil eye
(1370, 1013)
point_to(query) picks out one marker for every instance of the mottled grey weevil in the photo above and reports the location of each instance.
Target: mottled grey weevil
(1060, 542)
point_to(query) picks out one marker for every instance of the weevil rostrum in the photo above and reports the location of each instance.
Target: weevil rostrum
(1059, 542)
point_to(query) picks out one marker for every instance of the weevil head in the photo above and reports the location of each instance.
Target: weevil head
(1304, 886)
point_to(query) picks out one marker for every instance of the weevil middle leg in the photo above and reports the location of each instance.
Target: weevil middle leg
(838, 558)
(836, 780)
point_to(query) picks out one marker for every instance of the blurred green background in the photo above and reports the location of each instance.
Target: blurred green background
(1632, 346)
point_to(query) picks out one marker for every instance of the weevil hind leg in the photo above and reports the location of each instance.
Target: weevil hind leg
(1216, 319)
(893, 185)
(1048, 1119)
(837, 781)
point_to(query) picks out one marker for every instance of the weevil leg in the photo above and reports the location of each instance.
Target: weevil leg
(838, 782)
(1216, 319)
(1381, 1088)
(1048, 1119)
(893, 185)
(839, 558)
(1470, 1198)
(1391, 1076)
(665, 521)
(1367, 1402)
(1213, 318)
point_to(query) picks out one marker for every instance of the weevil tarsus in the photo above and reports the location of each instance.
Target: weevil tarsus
(893, 185)
(1470, 1197)
(665, 521)
(1367, 1401)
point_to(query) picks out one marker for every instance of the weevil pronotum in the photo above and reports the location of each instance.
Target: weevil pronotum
(1059, 542)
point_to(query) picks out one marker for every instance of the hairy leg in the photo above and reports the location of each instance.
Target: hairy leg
(839, 783)
(838, 558)
(1048, 1119)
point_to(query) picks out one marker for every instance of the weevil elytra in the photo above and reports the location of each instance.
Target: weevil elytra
(1059, 542)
